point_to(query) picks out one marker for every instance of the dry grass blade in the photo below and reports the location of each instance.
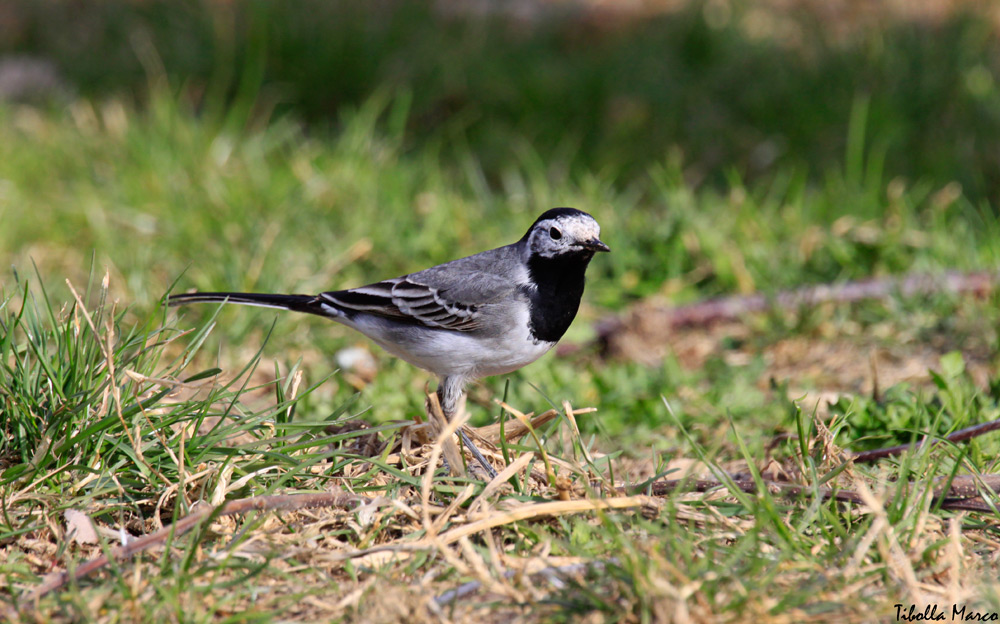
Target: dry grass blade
(885, 535)
(525, 421)
(571, 417)
(505, 475)
(446, 431)
(516, 429)
(537, 510)
(106, 349)
(445, 443)
(165, 383)
(450, 510)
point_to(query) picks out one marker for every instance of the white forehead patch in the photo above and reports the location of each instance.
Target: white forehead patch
(577, 227)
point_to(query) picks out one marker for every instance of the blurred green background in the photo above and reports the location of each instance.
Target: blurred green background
(724, 88)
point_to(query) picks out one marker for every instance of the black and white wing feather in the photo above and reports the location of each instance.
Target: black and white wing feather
(450, 296)
(401, 300)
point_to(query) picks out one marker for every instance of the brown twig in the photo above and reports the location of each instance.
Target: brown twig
(287, 502)
(736, 306)
(966, 486)
(959, 436)
(963, 492)
(963, 496)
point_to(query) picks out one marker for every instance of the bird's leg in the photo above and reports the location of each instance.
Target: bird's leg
(451, 394)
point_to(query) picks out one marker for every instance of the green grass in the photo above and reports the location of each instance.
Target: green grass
(161, 199)
(128, 202)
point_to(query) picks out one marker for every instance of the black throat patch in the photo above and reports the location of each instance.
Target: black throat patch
(555, 301)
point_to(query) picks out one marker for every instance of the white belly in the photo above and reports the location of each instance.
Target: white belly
(476, 358)
(447, 352)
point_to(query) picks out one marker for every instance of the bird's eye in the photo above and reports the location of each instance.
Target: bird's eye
(555, 234)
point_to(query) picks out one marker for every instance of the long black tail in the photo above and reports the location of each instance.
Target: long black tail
(298, 303)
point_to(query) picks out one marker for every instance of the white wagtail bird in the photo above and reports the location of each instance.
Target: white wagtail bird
(486, 314)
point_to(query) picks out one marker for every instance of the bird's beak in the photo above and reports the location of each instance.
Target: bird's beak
(595, 245)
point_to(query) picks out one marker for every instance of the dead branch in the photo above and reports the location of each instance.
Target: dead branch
(737, 306)
(287, 502)
(962, 495)
(959, 436)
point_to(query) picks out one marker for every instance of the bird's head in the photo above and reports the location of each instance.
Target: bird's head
(564, 232)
